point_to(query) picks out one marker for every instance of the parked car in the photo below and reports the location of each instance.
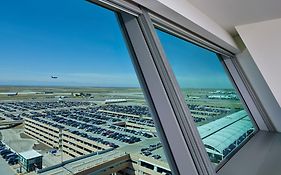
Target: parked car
(147, 153)
(5, 151)
(2, 148)
(7, 156)
(13, 161)
(156, 156)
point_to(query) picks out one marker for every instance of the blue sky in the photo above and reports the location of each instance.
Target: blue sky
(82, 44)
(193, 66)
(77, 41)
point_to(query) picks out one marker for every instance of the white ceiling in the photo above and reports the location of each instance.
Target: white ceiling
(231, 13)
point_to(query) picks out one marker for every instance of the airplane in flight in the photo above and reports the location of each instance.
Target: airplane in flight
(54, 77)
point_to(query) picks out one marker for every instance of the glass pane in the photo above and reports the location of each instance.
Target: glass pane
(69, 91)
(219, 115)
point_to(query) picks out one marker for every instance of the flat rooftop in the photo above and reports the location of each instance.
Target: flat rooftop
(30, 154)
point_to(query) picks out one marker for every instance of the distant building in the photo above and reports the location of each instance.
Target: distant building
(108, 101)
(223, 97)
(81, 94)
(31, 160)
(193, 97)
(48, 92)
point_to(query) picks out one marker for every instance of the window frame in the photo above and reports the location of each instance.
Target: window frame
(256, 113)
(182, 114)
(176, 150)
(145, 20)
(259, 114)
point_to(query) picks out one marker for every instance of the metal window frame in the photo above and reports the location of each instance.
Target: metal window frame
(237, 84)
(177, 152)
(240, 83)
(232, 67)
(259, 116)
(245, 99)
(183, 116)
(154, 72)
(185, 34)
(247, 95)
(258, 112)
(119, 6)
(228, 61)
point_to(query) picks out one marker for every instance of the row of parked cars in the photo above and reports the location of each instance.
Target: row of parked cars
(41, 105)
(87, 112)
(155, 156)
(130, 109)
(147, 151)
(137, 120)
(120, 136)
(92, 112)
(6, 109)
(64, 118)
(135, 132)
(11, 157)
(13, 107)
(93, 115)
(73, 126)
(96, 139)
(209, 108)
(13, 117)
(37, 118)
(88, 120)
(88, 115)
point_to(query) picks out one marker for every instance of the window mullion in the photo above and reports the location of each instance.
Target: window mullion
(183, 114)
(179, 156)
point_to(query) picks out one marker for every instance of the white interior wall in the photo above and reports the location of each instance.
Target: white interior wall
(263, 41)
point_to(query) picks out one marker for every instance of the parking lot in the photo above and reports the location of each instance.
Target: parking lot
(9, 159)
(100, 123)
(99, 126)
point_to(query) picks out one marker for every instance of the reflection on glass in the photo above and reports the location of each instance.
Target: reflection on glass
(220, 117)
(69, 93)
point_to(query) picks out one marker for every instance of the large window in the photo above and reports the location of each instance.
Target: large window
(68, 91)
(215, 106)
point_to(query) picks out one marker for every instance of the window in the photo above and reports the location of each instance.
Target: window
(69, 91)
(215, 106)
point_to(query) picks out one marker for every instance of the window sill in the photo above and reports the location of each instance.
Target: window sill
(260, 156)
